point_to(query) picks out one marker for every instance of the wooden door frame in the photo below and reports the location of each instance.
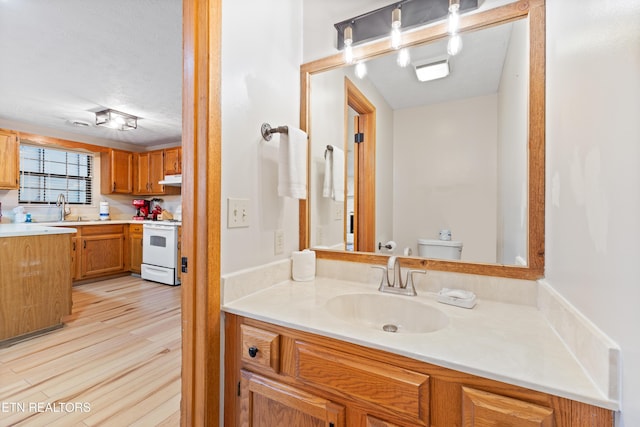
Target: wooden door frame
(201, 195)
(364, 173)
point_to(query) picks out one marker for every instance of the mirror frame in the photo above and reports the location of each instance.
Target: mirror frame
(535, 10)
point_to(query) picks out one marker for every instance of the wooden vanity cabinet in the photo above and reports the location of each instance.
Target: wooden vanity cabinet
(316, 380)
(116, 172)
(9, 160)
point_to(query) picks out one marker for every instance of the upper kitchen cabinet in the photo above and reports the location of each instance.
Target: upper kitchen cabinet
(116, 167)
(10, 160)
(149, 169)
(173, 161)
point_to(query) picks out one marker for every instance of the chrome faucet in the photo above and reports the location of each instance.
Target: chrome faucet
(62, 204)
(392, 280)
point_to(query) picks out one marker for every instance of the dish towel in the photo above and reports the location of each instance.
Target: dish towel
(292, 164)
(334, 174)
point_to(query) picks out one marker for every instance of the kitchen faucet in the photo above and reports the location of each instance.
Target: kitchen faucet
(394, 283)
(62, 204)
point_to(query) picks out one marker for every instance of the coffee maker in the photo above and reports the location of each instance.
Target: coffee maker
(142, 209)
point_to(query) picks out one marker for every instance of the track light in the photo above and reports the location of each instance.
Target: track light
(396, 25)
(348, 41)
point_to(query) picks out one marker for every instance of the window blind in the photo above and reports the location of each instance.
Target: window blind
(47, 172)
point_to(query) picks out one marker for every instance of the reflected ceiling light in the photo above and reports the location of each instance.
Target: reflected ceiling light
(361, 70)
(454, 45)
(404, 58)
(348, 41)
(432, 70)
(116, 120)
(396, 25)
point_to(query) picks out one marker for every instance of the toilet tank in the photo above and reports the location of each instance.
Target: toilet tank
(439, 249)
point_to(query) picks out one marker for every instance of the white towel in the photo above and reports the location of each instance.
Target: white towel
(334, 174)
(292, 164)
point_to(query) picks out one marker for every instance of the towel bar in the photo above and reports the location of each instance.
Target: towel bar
(266, 130)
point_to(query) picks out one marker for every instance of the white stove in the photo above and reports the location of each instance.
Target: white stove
(160, 252)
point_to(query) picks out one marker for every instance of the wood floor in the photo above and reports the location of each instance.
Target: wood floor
(116, 362)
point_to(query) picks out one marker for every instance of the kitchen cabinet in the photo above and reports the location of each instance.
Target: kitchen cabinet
(135, 247)
(75, 271)
(116, 172)
(173, 161)
(9, 160)
(360, 386)
(148, 172)
(35, 284)
(101, 250)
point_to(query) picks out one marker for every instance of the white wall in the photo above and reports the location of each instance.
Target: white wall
(513, 126)
(261, 57)
(446, 155)
(593, 171)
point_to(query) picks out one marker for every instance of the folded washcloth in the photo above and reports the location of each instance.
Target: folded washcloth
(292, 164)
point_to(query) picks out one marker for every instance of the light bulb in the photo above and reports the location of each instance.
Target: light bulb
(454, 46)
(454, 19)
(348, 49)
(404, 58)
(396, 24)
(361, 70)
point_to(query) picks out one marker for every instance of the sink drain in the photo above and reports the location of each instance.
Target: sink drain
(390, 328)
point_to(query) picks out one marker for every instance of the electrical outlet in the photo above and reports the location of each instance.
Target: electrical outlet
(238, 213)
(278, 242)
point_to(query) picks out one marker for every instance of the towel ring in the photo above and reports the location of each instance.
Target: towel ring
(267, 131)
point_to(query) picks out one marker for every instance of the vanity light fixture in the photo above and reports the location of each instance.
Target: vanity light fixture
(454, 46)
(432, 70)
(396, 25)
(348, 41)
(116, 120)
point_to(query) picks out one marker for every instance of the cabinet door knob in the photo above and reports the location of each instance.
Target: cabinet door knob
(253, 351)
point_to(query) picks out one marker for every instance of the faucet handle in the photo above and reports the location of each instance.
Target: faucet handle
(384, 274)
(410, 279)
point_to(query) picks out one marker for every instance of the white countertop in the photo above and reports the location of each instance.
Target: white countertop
(32, 229)
(506, 342)
(102, 222)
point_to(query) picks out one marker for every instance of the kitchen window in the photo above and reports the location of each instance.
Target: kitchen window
(47, 172)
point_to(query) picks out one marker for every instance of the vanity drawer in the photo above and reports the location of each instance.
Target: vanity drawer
(260, 347)
(399, 390)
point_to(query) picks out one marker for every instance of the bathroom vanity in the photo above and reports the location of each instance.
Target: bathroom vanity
(293, 358)
(282, 376)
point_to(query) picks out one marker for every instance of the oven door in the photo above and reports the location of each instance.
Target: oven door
(160, 245)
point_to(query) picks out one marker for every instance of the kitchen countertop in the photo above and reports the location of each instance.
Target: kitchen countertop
(102, 222)
(505, 342)
(32, 229)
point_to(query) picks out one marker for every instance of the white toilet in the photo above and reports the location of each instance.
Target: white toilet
(439, 249)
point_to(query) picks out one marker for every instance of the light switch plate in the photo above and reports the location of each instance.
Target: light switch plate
(238, 213)
(338, 211)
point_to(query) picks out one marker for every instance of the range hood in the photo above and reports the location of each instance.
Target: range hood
(175, 180)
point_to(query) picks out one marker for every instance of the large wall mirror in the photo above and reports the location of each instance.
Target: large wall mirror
(395, 159)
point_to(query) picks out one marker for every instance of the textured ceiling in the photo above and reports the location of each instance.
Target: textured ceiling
(63, 60)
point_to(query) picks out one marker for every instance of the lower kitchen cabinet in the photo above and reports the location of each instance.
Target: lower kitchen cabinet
(282, 376)
(99, 251)
(135, 247)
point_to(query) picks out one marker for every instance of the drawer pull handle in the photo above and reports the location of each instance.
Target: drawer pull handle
(253, 351)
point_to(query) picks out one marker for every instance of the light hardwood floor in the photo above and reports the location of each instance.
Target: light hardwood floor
(116, 362)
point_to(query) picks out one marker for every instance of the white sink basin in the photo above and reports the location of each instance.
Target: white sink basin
(390, 313)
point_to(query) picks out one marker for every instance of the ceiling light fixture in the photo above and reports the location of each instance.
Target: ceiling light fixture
(396, 25)
(116, 120)
(433, 70)
(348, 41)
